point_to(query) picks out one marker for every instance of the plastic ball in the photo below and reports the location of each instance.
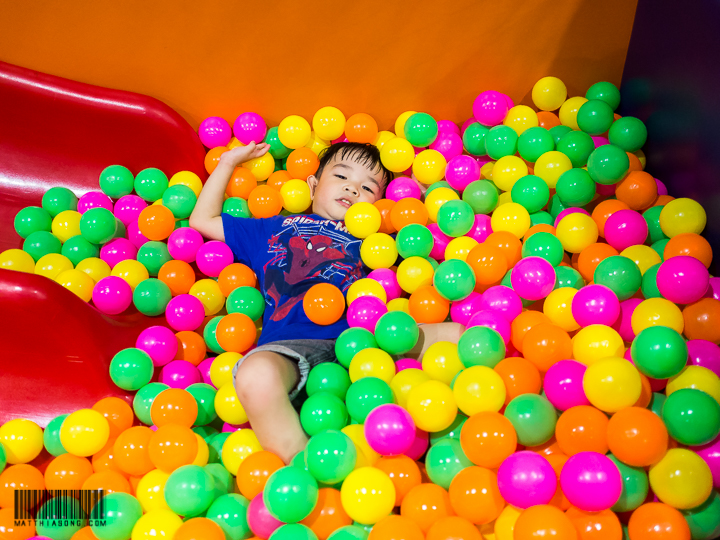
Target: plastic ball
(692, 417)
(84, 432)
(611, 384)
(511, 217)
(591, 481)
(429, 166)
(397, 155)
(682, 279)
(185, 312)
(368, 495)
(389, 430)
(533, 278)
(533, 417)
(58, 199)
(77, 282)
(396, 332)
(490, 108)
(563, 384)
(681, 479)
(324, 304)
(112, 295)
(21, 439)
(365, 312)
(526, 479)
(549, 93)
(362, 219)
(432, 406)
(608, 164)
(378, 251)
(595, 304)
(454, 279)
(479, 389)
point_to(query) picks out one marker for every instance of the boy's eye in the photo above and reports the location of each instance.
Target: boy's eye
(368, 189)
(340, 176)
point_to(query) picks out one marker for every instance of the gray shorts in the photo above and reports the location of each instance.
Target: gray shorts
(306, 353)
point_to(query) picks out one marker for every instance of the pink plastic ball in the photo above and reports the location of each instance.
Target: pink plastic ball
(185, 312)
(494, 320)
(135, 236)
(365, 311)
(231, 428)
(388, 279)
(184, 243)
(595, 304)
(567, 212)
(509, 101)
(389, 430)
(623, 324)
(118, 250)
(466, 124)
(419, 445)
(481, 228)
(261, 523)
(526, 479)
(212, 257)
(661, 187)
(341, 138)
(249, 127)
(715, 288)
(94, 199)
(179, 374)
(710, 453)
(503, 300)
(682, 279)
(159, 342)
(704, 353)
(204, 369)
(214, 131)
(625, 228)
(440, 242)
(112, 295)
(403, 188)
(448, 125)
(563, 384)
(600, 141)
(604, 190)
(533, 278)
(461, 171)
(591, 481)
(448, 143)
(490, 108)
(462, 310)
(128, 208)
(407, 363)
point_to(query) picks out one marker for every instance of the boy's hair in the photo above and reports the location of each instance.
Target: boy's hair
(364, 153)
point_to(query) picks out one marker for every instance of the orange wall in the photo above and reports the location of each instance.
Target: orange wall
(382, 57)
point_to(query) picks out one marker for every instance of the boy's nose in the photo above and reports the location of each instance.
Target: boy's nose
(351, 189)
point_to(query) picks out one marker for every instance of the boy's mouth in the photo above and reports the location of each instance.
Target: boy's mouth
(344, 202)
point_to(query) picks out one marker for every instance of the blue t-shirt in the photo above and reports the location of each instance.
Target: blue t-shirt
(290, 254)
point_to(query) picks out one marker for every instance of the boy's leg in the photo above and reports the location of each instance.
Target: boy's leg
(432, 333)
(263, 382)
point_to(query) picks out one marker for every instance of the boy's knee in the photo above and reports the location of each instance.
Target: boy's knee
(263, 376)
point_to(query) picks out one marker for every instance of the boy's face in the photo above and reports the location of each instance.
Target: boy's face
(344, 182)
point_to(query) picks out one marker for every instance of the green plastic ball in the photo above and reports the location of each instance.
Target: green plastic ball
(541, 217)
(230, 512)
(293, 531)
(659, 352)
(414, 240)
(577, 146)
(454, 279)
(501, 141)
(246, 300)
(189, 490)
(277, 149)
(290, 494)
(604, 91)
(51, 436)
(58, 199)
(396, 332)
(120, 512)
(364, 395)
(180, 200)
(481, 346)
(143, 400)
(595, 117)
(704, 521)
(331, 456)
(620, 274)
(567, 276)
(455, 218)
(691, 416)
(531, 192)
(151, 296)
(349, 532)
(77, 249)
(40, 243)
(635, 485)
(323, 411)
(150, 184)
(420, 129)
(152, 255)
(444, 461)
(482, 196)
(659, 247)
(533, 418)
(32, 219)
(210, 335)
(474, 139)
(98, 225)
(575, 188)
(545, 245)
(352, 341)
(608, 164)
(236, 207)
(131, 369)
(52, 518)
(116, 181)
(204, 395)
(629, 133)
(558, 132)
(652, 218)
(534, 142)
(328, 377)
(648, 285)
(224, 481)
(215, 445)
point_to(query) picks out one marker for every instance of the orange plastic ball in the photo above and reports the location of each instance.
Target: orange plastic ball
(523, 323)
(662, 200)
(604, 210)
(362, 128)
(199, 528)
(236, 332)
(582, 429)
(540, 227)
(265, 202)
(12, 529)
(658, 521)
(174, 406)
(590, 257)
(544, 521)
(557, 461)
(545, 344)
(520, 377)
(191, 347)
(328, 514)
(172, 446)
(396, 528)
(488, 262)
(156, 222)
(407, 211)
(104, 459)
(212, 158)
(702, 320)
(475, 496)
(403, 472)
(385, 206)
(236, 275)
(488, 438)
(638, 190)
(109, 481)
(178, 275)
(301, 163)
(254, 472)
(547, 119)
(508, 243)
(637, 437)
(21, 476)
(453, 528)
(691, 245)
(130, 451)
(324, 304)
(117, 412)
(646, 393)
(426, 504)
(278, 178)
(427, 306)
(67, 472)
(241, 184)
(635, 163)
(603, 525)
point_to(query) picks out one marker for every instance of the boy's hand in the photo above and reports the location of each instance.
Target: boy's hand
(239, 155)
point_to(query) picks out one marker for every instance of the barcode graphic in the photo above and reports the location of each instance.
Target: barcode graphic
(59, 504)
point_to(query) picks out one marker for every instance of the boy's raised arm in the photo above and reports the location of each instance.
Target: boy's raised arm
(205, 218)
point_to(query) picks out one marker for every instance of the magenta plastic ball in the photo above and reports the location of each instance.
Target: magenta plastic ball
(490, 108)
(502, 299)
(623, 324)
(388, 279)
(591, 481)
(261, 523)
(159, 342)
(365, 311)
(625, 228)
(461, 171)
(135, 236)
(185, 312)
(118, 250)
(214, 131)
(449, 144)
(563, 384)
(204, 369)
(407, 363)
(389, 430)
(533, 278)
(231, 428)
(128, 208)
(605, 190)
(715, 287)
(494, 320)
(249, 127)
(595, 304)
(704, 353)
(403, 188)
(567, 212)
(682, 279)
(112, 295)
(448, 125)
(600, 141)
(183, 244)
(179, 374)
(481, 228)
(710, 453)
(419, 445)
(526, 479)
(94, 199)
(440, 242)
(661, 187)
(509, 101)
(462, 310)
(212, 257)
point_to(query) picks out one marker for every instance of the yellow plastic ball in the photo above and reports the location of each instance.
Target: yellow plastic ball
(504, 198)
(414, 272)
(150, 491)
(436, 199)
(366, 456)
(682, 216)
(403, 382)
(697, 377)
(261, 167)
(203, 453)
(641, 156)
(612, 384)
(643, 256)
(505, 523)
(576, 232)
(378, 251)
(294, 131)
(486, 171)
(549, 93)
(97, 269)
(657, 312)
(569, 111)
(458, 248)
(596, 342)
(558, 308)
(372, 362)
(432, 406)
(479, 389)
(189, 179)
(399, 304)
(520, 118)
(429, 166)
(296, 196)
(365, 287)
(22, 440)
(209, 293)
(397, 154)
(367, 495)
(84, 432)
(77, 282)
(316, 144)
(228, 406)
(160, 523)
(681, 479)
(441, 361)
(239, 445)
(329, 123)
(511, 217)
(222, 367)
(400, 123)
(66, 225)
(507, 171)
(363, 219)
(18, 260)
(131, 271)
(551, 165)
(157, 203)
(52, 265)
(382, 138)
(234, 143)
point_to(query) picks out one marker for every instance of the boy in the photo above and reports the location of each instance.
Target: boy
(290, 254)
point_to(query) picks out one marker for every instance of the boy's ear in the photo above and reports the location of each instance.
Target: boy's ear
(312, 182)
